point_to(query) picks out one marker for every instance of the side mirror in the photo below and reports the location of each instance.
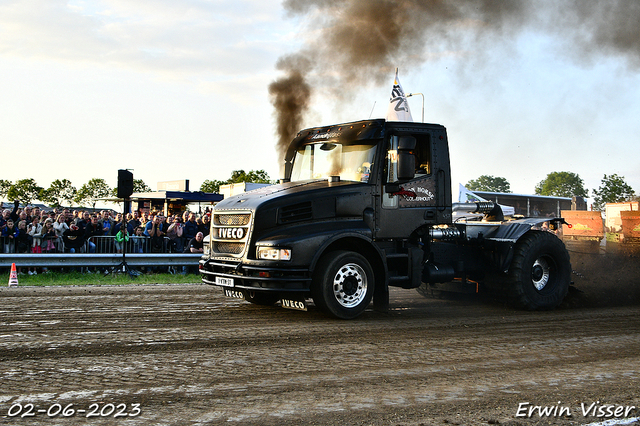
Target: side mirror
(406, 159)
(406, 143)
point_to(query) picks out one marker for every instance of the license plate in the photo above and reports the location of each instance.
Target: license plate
(233, 293)
(227, 282)
(298, 305)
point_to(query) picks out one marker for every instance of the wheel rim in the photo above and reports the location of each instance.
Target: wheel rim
(541, 273)
(350, 285)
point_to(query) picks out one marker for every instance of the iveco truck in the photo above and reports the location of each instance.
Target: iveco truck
(367, 205)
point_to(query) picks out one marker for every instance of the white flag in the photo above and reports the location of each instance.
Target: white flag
(398, 105)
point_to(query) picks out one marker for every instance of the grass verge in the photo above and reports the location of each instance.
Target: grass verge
(54, 278)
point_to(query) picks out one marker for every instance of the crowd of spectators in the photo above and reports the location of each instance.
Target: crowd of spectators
(30, 230)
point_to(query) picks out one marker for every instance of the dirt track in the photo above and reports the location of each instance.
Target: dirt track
(188, 355)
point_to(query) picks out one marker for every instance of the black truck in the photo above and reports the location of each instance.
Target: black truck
(367, 205)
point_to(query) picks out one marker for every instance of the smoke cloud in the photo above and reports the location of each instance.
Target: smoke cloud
(352, 44)
(291, 96)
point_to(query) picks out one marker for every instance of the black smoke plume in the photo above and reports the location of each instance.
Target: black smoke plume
(351, 44)
(290, 95)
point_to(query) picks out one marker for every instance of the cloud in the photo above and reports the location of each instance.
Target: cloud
(178, 39)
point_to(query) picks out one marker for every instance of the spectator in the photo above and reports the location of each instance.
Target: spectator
(175, 236)
(14, 213)
(196, 244)
(156, 235)
(122, 236)
(9, 234)
(3, 224)
(68, 216)
(206, 224)
(73, 238)
(139, 240)
(135, 219)
(106, 223)
(163, 221)
(22, 216)
(27, 215)
(22, 238)
(6, 215)
(60, 225)
(149, 224)
(35, 232)
(49, 237)
(117, 221)
(92, 229)
(83, 220)
(190, 227)
(118, 224)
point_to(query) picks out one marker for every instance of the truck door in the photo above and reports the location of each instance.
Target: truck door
(415, 202)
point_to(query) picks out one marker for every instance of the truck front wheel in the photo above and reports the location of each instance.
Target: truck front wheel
(343, 284)
(540, 272)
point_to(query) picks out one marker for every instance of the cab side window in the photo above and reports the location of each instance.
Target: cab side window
(423, 155)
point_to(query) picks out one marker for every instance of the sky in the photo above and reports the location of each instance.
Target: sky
(180, 90)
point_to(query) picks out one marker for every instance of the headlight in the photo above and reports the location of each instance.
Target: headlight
(206, 246)
(271, 253)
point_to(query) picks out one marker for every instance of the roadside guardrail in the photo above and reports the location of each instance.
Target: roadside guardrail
(61, 260)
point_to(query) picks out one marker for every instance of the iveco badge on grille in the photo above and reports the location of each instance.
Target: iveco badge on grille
(231, 233)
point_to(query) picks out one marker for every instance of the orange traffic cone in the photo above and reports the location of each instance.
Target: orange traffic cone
(13, 277)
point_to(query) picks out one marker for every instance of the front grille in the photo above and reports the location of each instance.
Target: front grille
(231, 219)
(223, 223)
(226, 247)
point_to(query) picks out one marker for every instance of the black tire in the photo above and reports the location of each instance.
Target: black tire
(343, 284)
(540, 273)
(260, 298)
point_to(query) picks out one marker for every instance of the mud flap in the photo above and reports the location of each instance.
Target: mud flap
(381, 297)
(295, 304)
(417, 255)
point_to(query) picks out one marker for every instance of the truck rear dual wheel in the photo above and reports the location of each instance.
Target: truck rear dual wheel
(343, 284)
(540, 272)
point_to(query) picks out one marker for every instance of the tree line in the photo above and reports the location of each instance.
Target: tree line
(237, 176)
(62, 192)
(613, 188)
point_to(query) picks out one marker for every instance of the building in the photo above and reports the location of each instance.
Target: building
(174, 197)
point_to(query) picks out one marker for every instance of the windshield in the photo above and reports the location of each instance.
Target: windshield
(324, 159)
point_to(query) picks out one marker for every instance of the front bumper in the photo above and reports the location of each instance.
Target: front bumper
(255, 277)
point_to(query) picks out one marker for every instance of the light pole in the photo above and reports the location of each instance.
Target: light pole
(413, 94)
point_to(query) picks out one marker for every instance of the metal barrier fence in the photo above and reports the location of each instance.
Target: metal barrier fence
(62, 260)
(98, 244)
(139, 245)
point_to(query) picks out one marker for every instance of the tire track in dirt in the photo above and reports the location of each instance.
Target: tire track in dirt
(190, 356)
